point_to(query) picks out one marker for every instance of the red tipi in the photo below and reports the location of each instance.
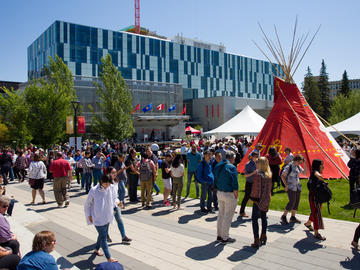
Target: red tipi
(293, 124)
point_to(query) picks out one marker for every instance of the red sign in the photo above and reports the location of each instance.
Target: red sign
(81, 124)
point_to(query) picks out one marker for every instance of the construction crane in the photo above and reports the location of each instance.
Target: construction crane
(137, 16)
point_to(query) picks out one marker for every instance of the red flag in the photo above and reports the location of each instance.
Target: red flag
(184, 110)
(160, 107)
(136, 108)
(81, 124)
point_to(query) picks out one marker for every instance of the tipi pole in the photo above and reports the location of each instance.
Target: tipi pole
(339, 132)
(312, 137)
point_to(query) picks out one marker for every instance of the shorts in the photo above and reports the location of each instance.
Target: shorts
(167, 183)
(38, 184)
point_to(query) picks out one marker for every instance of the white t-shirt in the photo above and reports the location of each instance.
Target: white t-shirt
(179, 171)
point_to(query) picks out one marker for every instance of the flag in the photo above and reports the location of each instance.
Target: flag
(173, 107)
(69, 124)
(81, 124)
(147, 108)
(184, 110)
(136, 108)
(160, 107)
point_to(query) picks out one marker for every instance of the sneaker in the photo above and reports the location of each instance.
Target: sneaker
(219, 239)
(294, 220)
(60, 206)
(243, 215)
(126, 239)
(67, 202)
(204, 211)
(109, 239)
(148, 207)
(167, 203)
(229, 240)
(216, 208)
(284, 220)
(157, 193)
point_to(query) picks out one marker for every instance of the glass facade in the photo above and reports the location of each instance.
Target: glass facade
(201, 72)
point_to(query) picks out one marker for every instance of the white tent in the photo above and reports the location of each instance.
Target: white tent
(348, 126)
(246, 122)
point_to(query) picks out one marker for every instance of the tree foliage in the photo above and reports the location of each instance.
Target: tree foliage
(49, 102)
(345, 85)
(14, 114)
(312, 93)
(4, 133)
(114, 120)
(344, 107)
(323, 84)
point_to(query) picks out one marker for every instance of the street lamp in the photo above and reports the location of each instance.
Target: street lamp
(75, 104)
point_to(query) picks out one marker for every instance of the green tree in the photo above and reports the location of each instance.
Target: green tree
(344, 107)
(4, 133)
(312, 93)
(114, 120)
(49, 102)
(14, 114)
(323, 84)
(345, 85)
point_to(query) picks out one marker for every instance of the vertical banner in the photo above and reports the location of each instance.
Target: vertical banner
(218, 111)
(207, 111)
(212, 110)
(81, 124)
(69, 124)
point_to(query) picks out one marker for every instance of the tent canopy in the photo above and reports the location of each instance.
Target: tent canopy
(246, 122)
(348, 126)
(192, 130)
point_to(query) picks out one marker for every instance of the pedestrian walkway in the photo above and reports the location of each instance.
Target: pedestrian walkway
(184, 239)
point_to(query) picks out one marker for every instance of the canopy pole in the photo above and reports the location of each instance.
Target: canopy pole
(312, 137)
(339, 132)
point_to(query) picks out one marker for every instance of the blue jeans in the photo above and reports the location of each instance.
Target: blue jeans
(102, 239)
(189, 176)
(256, 214)
(97, 173)
(82, 180)
(119, 221)
(206, 189)
(87, 180)
(11, 173)
(156, 187)
(121, 190)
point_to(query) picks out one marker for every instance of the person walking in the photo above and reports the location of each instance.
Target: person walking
(154, 159)
(290, 178)
(215, 160)
(177, 174)
(21, 164)
(317, 167)
(5, 165)
(99, 210)
(121, 178)
(132, 174)
(354, 166)
(261, 195)
(206, 178)
(78, 169)
(98, 160)
(147, 171)
(37, 174)
(250, 172)
(274, 161)
(183, 152)
(228, 191)
(355, 241)
(194, 158)
(87, 167)
(117, 212)
(62, 172)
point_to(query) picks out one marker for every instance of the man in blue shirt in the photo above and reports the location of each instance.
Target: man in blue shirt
(98, 161)
(205, 176)
(228, 188)
(250, 171)
(194, 159)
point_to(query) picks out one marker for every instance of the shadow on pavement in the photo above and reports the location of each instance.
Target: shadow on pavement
(130, 211)
(239, 222)
(193, 205)
(185, 219)
(85, 264)
(279, 228)
(310, 243)
(242, 254)
(354, 262)
(64, 263)
(45, 209)
(211, 219)
(207, 252)
(162, 213)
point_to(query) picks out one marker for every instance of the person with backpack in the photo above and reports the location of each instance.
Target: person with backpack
(291, 180)
(354, 175)
(147, 171)
(206, 177)
(317, 167)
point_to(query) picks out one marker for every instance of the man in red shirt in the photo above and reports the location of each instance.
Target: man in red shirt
(61, 171)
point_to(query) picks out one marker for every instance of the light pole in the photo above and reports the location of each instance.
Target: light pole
(75, 104)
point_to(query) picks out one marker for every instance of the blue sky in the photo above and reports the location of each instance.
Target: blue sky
(232, 22)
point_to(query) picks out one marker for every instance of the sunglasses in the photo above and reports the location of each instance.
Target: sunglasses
(5, 206)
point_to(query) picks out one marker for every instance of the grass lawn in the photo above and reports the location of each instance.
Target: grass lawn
(338, 206)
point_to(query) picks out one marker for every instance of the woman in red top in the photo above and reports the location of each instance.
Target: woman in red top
(275, 161)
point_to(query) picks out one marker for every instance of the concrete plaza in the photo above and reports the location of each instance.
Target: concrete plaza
(184, 239)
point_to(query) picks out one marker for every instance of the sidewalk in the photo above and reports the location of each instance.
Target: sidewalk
(184, 239)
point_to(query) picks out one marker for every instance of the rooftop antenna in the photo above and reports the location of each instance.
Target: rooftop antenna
(137, 16)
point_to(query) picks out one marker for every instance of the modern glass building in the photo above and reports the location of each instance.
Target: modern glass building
(203, 70)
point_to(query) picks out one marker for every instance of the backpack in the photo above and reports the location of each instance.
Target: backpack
(322, 193)
(145, 171)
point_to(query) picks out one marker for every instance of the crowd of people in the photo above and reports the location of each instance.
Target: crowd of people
(108, 172)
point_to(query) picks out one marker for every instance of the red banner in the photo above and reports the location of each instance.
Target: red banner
(81, 124)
